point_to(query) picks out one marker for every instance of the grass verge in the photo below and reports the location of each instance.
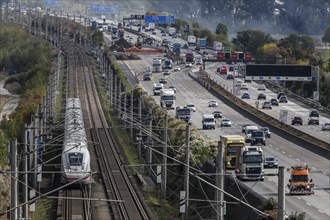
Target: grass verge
(43, 209)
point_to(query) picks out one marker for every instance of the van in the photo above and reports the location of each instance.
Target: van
(258, 137)
(248, 132)
(208, 121)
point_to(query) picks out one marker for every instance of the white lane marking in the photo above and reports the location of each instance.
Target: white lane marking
(297, 159)
(298, 197)
(320, 211)
(276, 148)
(269, 180)
(290, 155)
(313, 168)
(283, 152)
(308, 204)
(270, 145)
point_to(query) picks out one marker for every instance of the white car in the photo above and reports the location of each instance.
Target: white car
(326, 127)
(188, 64)
(261, 87)
(176, 68)
(191, 106)
(244, 86)
(225, 122)
(238, 83)
(213, 103)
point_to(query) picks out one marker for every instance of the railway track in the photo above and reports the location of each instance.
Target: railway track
(127, 204)
(74, 201)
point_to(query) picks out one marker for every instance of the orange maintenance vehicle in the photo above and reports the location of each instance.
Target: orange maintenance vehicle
(299, 183)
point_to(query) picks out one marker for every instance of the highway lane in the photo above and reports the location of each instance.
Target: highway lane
(292, 107)
(316, 206)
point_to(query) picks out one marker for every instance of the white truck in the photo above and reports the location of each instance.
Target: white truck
(199, 59)
(156, 88)
(167, 98)
(208, 121)
(250, 163)
(157, 65)
(217, 45)
(150, 27)
(191, 40)
(183, 113)
(171, 30)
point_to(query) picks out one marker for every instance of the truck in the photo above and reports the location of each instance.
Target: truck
(150, 27)
(217, 45)
(201, 43)
(156, 88)
(199, 59)
(191, 40)
(177, 47)
(183, 113)
(208, 121)
(167, 98)
(168, 64)
(231, 143)
(157, 65)
(171, 30)
(190, 57)
(250, 163)
(300, 182)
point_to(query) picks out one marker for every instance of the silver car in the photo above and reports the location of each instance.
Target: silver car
(225, 122)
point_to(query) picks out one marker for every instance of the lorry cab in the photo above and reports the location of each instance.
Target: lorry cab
(208, 121)
(299, 183)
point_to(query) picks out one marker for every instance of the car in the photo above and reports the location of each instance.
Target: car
(213, 103)
(188, 64)
(167, 72)
(205, 52)
(283, 99)
(274, 102)
(244, 127)
(238, 83)
(154, 32)
(297, 120)
(261, 87)
(266, 131)
(261, 96)
(163, 34)
(313, 121)
(280, 94)
(172, 87)
(326, 127)
(223, 69)
(270, 162)
(247, 81)
(246, 95)
(244, 86)
(314, 113)
(146, 76)
(225, 122)
(162, 80)
(266, 104)
(176, 68)
(230, 76)
(217, 114)
(191, 106)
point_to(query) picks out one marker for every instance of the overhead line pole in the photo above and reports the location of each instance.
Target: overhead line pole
(186, 174)
(164, 167)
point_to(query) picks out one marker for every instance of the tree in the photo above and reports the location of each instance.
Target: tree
(251, 40)
(221, 29)
(326, 36)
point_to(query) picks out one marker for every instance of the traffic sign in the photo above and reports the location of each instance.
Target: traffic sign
(220, 56)
(158, 19)
(52, 3)
(137, 17)
(104, 9)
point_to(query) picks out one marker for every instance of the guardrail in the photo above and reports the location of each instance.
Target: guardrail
(277, 88)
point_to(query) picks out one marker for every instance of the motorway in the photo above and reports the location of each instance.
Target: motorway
(316, 206)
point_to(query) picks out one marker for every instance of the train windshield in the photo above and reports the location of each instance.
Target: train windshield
(76, 159)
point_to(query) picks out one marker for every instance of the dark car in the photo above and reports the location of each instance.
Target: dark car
(261, 96)
(314, 113)
(297, 120)
(274, 102)
(313, 121)
(246, 95)
(270, 162)
(162, 80)
(217, 114)
(230, 76)
(258, 137)
(146, 76)
(280, 94)
(283, 99)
